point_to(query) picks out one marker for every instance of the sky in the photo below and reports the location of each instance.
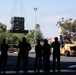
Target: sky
(48, 14)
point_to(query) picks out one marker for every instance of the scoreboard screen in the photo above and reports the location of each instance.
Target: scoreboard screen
(17, 23)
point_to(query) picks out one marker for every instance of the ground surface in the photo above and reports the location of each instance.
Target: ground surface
(65, 62)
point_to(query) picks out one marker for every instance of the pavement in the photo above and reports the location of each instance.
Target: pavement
(31, 72)
(11, 65)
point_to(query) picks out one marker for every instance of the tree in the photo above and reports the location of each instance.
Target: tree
(39, 34)
(12, 38)
(68, 27)
(3, 27)
(30, 36)
(74, 26)
(34, 35)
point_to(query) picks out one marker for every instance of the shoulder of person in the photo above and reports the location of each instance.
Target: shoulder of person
(53, 42)
(58, 41)
(27, 43)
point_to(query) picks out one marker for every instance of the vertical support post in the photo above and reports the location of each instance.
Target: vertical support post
(35, 25)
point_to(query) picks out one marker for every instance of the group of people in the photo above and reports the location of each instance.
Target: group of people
(24, 48)
(42, 53)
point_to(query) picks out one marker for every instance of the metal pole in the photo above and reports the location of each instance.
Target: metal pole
(35, 26)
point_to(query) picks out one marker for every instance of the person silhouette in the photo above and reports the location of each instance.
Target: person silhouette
(56, 53)
(38, 55)
(46, 55)
(24, 48)
(4, 55)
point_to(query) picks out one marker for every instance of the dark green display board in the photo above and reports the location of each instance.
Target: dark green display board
(17, 23)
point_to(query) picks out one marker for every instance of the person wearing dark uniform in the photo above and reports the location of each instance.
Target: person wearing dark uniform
(46, 55)
(38, 56)
(24, 48)
(56, 53)
(4, 55)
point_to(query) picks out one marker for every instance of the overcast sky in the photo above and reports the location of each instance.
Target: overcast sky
(48, 14)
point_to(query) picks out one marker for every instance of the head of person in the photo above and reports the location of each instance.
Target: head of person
(56, 38)
(4, 40)
(42, 42)
(23, 39)
(38, 41)
(45, 41)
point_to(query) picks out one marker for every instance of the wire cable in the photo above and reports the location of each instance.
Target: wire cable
(24, 14)
(14, 7)
(21, 9)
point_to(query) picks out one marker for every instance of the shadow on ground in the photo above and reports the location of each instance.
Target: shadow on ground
(11, 63)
